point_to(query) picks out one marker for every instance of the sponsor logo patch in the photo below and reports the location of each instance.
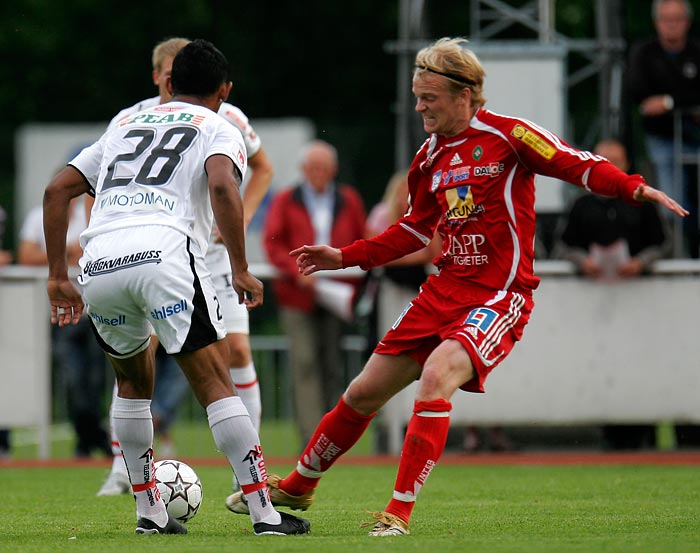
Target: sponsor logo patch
(162, 119)
(535, 141)
(481, 318)
(437, 177)
(461, 204)
(456, 175)
(492, 169)
(148, 200)
(108, 321)
(148, 465)
(105, 265)
(518, 131)
(466, 250)
(325, 449)
(253, 455)
(456, 160)
(461, 174)
(168, 310)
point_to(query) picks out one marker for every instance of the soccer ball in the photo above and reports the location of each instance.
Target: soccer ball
(180, 488)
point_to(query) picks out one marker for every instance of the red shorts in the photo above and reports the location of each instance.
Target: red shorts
(486, 323)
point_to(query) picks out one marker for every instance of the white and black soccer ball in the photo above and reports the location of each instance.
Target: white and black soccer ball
(180, 488)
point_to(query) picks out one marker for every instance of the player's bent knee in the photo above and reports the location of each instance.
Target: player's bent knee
(239, 354)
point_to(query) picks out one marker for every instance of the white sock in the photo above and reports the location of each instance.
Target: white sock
(235, 436)
(245, 380)
(133, 425)
(118, 464)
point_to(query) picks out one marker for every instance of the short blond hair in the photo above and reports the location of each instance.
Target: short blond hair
(449, 57)
(167, 49)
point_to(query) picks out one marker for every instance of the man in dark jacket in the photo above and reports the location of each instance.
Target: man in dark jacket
(664, 75)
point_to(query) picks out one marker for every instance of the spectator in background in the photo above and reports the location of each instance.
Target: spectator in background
(5, 255)
(664, 74)
(607, 238)
(316, 209)
(5, 259)
(171, 386)
(77, 357)
(5, 443)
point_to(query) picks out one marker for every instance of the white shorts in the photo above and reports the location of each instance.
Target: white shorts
(147, 277)
(235, 314)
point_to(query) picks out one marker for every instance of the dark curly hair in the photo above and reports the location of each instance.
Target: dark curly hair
(198, 69)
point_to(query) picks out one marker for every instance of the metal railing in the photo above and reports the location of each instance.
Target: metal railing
(271, 358)
(682, 157)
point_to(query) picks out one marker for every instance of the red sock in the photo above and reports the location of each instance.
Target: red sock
(425, 440)
(337, 432)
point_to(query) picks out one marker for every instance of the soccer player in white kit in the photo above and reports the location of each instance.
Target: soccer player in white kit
(157, 179)
(241, 366)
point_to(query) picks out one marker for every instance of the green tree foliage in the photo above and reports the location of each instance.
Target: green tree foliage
(84, 60)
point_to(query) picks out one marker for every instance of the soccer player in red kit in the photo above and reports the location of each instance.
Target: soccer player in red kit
(473, 180)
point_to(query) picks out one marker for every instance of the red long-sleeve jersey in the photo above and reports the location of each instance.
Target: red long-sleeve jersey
(478, 190)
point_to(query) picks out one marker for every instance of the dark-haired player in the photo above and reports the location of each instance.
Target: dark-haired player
(156, 178)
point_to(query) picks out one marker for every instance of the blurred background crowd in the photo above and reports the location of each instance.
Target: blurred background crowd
(344, 70)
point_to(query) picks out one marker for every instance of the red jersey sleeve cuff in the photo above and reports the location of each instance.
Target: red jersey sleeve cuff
(355, 254)
(629, 186)
(609, 180)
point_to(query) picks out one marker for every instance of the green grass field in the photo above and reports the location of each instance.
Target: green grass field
(463, 508)
(471, 507)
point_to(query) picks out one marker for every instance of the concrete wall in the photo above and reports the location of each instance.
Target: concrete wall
(41, 149)
(592, 353)
(624, 352)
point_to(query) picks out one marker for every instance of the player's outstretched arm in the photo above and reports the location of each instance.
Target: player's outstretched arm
(317, 258)
(645, 193)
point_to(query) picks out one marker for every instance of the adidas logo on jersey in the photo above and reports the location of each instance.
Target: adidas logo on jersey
(456, 160)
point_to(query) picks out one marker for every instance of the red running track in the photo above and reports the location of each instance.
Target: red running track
(522, 458)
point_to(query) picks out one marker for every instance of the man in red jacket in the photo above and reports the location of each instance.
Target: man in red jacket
(317, 210)
(473, 181)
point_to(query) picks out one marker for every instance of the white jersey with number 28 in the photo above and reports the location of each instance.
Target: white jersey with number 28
(149, 169)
